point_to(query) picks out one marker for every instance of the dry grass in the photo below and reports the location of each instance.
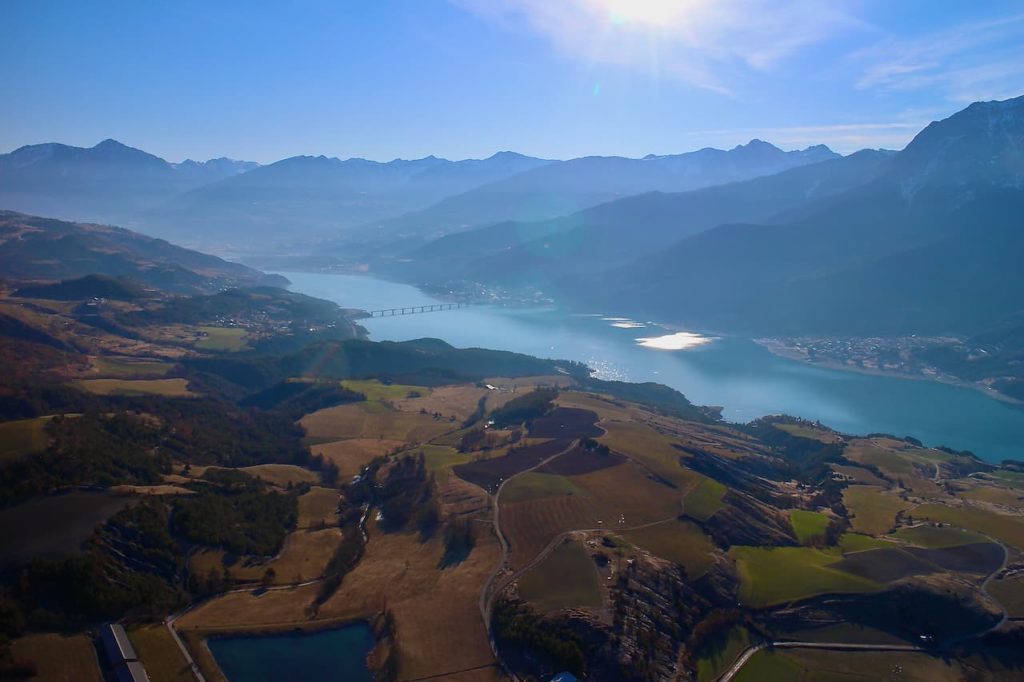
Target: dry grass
(350, 456)
(112, 367)
(529, 526)
(22, 437)
(1004, 497)
(174, 388)
(282, 474)
(318, 507)
(160, 654)
(151, 490)
(458, 401)
(873, 509)
(859, 475)
(899, 462)
(372, 420)
(58, 658)
(304, 556)
(439, 628)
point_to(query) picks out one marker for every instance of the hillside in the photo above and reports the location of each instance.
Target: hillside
(45, 249)
(928, 247)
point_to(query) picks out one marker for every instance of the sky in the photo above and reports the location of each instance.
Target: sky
(385, 79)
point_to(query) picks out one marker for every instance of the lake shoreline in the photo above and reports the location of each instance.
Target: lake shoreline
(782, 351)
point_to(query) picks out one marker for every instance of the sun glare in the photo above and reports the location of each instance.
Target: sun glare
(650, 12)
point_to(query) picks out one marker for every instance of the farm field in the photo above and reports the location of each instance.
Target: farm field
(318, 507)
(1006, 497)
(304, 556)
(702, 502)
(800, 665)
(350, 456)
(781, 574)
(860, 475)
(59, 658)
(282, 474)
(933, 537)
(566, 422)
(809, 432)
(1008, 529)
(529, 526)
(440, 459)
(721, 653)
(22, 437)
(898, 461)
(565, 578)
(1010, 593)
(873, 510)
(649, 447)
(681, 542)
(855, 542)
(376, 391)
(56, 525)
(221, 339)
(807, 524)
(160, 654)
(489, 473)
(372, 420)
(114, 367)
(174, 388)
(534, 485)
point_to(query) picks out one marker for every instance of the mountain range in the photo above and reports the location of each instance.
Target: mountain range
(931, 245)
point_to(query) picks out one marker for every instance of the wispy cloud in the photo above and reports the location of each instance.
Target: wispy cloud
(700, 42)
(970, 62)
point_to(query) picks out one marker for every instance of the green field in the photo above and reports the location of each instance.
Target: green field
(775, 575)
(681, 542)
(532, 486)
(716, 657)
(874, 511)
(769, 666)
(703, 501)
(175, 388)
(374, 390)
(855, 542)
(1008, 529)
(808, 525)
(221, 339)
(440, 459)
(129, 368)
(22, 437)
(1010, 593)
(804, 431)
(935, 538)
(565, 578)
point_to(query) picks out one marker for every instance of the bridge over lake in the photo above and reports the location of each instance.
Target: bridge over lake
(414, 310)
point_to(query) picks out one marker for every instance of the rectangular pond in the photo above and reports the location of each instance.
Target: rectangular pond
(337, 654)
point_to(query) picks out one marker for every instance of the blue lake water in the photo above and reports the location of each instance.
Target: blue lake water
(734, 373)
(338, 654)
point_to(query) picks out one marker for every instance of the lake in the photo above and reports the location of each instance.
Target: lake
(734, 373)
(338, 654)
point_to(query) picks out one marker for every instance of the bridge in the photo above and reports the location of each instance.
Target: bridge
(414, 310)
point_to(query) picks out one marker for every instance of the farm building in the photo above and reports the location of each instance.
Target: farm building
(121, 654)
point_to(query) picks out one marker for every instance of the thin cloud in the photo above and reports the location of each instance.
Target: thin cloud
(700, 42)
(980, 60)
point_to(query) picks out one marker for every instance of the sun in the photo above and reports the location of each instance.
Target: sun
(649, 12)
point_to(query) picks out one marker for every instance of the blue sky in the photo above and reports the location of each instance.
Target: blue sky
(465, 78)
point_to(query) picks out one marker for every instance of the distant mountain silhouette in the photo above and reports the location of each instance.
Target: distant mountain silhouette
(566, 187)
(48, 250)
(110, 182)
(933, 245)
(617, 232)
(307, 197)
